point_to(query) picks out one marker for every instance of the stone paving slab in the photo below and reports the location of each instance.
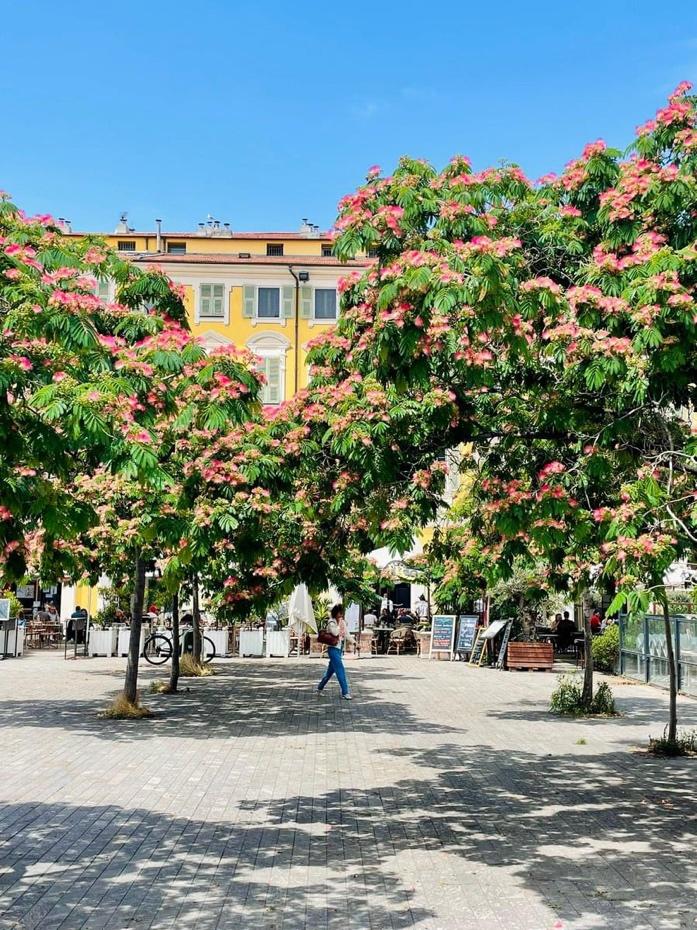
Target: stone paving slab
(443, 797)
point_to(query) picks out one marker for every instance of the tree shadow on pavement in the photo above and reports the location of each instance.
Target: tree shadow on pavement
(106, 867)
(244, 701)
(597, 841)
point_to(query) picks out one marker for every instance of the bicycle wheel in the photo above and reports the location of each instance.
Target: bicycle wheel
(207, 650)
(157, 649)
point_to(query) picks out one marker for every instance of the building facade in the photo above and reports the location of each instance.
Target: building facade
(269, 292)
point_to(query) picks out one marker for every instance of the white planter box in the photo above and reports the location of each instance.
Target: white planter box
(123, 640)
(102, 642)
(219, 638)
(251, 642)
(15, 642)
(277, 643)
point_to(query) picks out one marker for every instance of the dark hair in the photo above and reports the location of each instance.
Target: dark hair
(336, 610)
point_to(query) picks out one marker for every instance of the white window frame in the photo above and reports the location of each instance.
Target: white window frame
(269, 319)
(111, 290)
(322, 320)
(225, 318)
(271, 346)
(211, 340)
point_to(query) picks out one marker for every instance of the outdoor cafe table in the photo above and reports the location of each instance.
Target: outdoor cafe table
(43, 634)
(383, 637)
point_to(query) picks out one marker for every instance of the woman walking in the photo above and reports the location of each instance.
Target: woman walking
(333, 637)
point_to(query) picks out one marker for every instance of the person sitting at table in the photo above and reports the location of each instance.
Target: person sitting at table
(421, 609)
(369, 620)
(555, 623)
(78, 614)
(565, 630)
(595, 622)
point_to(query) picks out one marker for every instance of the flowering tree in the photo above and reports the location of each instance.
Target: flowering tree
(552, 327)
(193, 398)
(66, 402)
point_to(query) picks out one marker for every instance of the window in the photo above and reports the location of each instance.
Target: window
(176, 248)
(272, 391)
(327, 251)
(271, 350)
(212, 303)
(325, 303)
(103, 290)
(126, 245)
(373, 253)
(274, 248)
(269, 303)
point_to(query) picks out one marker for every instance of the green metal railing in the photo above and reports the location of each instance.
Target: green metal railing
(643, 650)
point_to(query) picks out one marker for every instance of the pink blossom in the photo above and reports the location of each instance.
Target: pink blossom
(59, 376)
(373, 171)
(552, 468)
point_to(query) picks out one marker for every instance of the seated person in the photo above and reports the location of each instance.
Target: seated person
(596, 622)
(422, 609)
(369, 620)
(565, 631)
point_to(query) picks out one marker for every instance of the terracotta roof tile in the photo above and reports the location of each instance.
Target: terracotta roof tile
(230, 258)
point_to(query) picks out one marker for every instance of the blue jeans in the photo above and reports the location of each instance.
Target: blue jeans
(336, 667)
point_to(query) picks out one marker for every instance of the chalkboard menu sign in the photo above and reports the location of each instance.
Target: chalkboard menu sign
(465, 633)
(443, 633)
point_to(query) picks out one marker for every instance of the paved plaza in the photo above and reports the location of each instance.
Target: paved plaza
(442, 798)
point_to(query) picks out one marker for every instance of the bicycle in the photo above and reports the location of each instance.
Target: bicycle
(158, 649)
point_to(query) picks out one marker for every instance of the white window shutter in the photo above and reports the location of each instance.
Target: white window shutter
(205, 302)
(103, 289)
(306, 303)
(249, 301)
(287, 302)
(218, 308)
(273, 389)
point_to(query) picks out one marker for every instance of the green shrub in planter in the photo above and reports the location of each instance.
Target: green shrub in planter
(606, 649)
(15, 603)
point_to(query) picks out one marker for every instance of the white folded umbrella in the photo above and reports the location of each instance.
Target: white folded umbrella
(301, 615)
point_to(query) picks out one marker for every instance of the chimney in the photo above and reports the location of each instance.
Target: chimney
(305, 228)
(158, 224)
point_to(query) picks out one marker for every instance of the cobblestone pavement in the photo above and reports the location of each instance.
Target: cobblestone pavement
(442, 798)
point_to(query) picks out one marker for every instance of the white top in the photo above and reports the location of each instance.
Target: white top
(370, 619)
(335, 630)
(421, 608)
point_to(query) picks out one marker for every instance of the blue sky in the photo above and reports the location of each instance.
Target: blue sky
(263, 113)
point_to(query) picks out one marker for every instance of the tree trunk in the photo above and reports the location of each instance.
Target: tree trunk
(174, 672)
(672, 673)
(196, 614)
(587, 694)
(130, 688)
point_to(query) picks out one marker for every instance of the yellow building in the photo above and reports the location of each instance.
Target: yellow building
(269, 291)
